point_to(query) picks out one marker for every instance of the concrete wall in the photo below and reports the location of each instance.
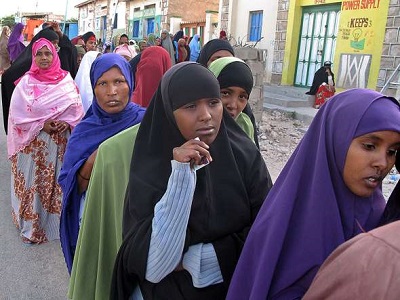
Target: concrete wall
(254, 58)
(280, 41)
(391, 50)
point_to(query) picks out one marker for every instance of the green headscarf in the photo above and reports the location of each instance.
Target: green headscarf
(232, 71)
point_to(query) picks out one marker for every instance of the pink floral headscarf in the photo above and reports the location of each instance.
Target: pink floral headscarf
(54, 73)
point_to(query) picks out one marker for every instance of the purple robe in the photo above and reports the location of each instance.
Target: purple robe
(310, 211)
(15, 42)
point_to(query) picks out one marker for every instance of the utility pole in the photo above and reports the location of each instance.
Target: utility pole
(65, 17)
(111, 12)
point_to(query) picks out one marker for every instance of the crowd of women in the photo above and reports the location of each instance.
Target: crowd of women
(145, 164)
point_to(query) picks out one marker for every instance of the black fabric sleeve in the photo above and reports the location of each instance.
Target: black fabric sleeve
(229, 248)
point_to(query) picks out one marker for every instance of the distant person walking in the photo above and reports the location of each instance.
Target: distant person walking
(194, 46)
(4, 55)
(16, 42)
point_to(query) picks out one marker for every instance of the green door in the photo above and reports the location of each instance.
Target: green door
(317, 43)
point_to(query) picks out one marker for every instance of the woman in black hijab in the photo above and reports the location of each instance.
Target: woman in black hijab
(218, 48)
(392, 209)
(213, 50)
(68, 58)
(204, 213)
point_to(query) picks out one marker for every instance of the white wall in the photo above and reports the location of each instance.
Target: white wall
(121, 11)
(239, 25)
(86, 19)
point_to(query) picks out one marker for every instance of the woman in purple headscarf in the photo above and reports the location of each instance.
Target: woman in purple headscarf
(328, 192)
(111, 112)
(16, 42)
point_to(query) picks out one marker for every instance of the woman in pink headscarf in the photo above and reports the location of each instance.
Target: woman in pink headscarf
(45, 106)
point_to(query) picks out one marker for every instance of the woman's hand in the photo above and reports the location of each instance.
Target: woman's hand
(62, 126)
(193, 151)
(52, 126)
(85, 172)
(57, 29)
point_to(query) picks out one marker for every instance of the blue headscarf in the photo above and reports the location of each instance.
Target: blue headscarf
(96, 127)
(194, 48)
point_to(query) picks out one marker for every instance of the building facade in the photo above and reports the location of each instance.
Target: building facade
(251, 24)
(360, 38)
(109, 18)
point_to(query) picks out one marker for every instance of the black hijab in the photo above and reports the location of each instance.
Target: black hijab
(229, 191)
(319, 77)
(392, 209)
(211, 47)
(178, 35)
(134, 64)
(206, 52)
(68, 59)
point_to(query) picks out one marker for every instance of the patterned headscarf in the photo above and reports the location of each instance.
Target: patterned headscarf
(54, 73)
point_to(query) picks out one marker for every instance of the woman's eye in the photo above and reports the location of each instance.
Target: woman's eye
(224, 94)
(369, 146)
(214, 102)
(392, 152)
(190, 106)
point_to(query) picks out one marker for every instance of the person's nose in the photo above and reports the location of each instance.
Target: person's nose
(204, 113)
(112, 89)
(232, 105)
(381, 161)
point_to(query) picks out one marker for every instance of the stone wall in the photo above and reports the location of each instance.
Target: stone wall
(280, 41)
(188, 10)
(391, 50)
(254, 58)
(224, 15)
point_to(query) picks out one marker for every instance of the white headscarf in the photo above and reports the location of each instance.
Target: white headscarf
(82, 78)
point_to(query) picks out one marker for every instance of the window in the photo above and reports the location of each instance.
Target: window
(255, 25)
(115, 21)
(135, 28)
(150, 25)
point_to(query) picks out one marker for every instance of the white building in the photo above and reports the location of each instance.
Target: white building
(251, 23)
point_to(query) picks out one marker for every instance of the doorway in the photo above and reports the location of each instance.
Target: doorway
(317, 43)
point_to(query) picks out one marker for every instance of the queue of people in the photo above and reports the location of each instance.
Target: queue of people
(146, 166)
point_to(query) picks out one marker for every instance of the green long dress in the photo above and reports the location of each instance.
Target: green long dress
(100, 235)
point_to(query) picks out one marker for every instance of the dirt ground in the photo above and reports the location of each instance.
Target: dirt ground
(279, 135)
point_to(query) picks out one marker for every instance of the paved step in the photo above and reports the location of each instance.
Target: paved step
(289, 99)
(304, 114)
(285, 101)
(286, 96)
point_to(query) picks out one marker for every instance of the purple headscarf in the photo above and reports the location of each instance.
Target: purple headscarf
(310, 211)
(15, 42)
(96, 127)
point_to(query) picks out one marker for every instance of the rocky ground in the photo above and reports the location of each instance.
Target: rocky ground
(279, 136)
